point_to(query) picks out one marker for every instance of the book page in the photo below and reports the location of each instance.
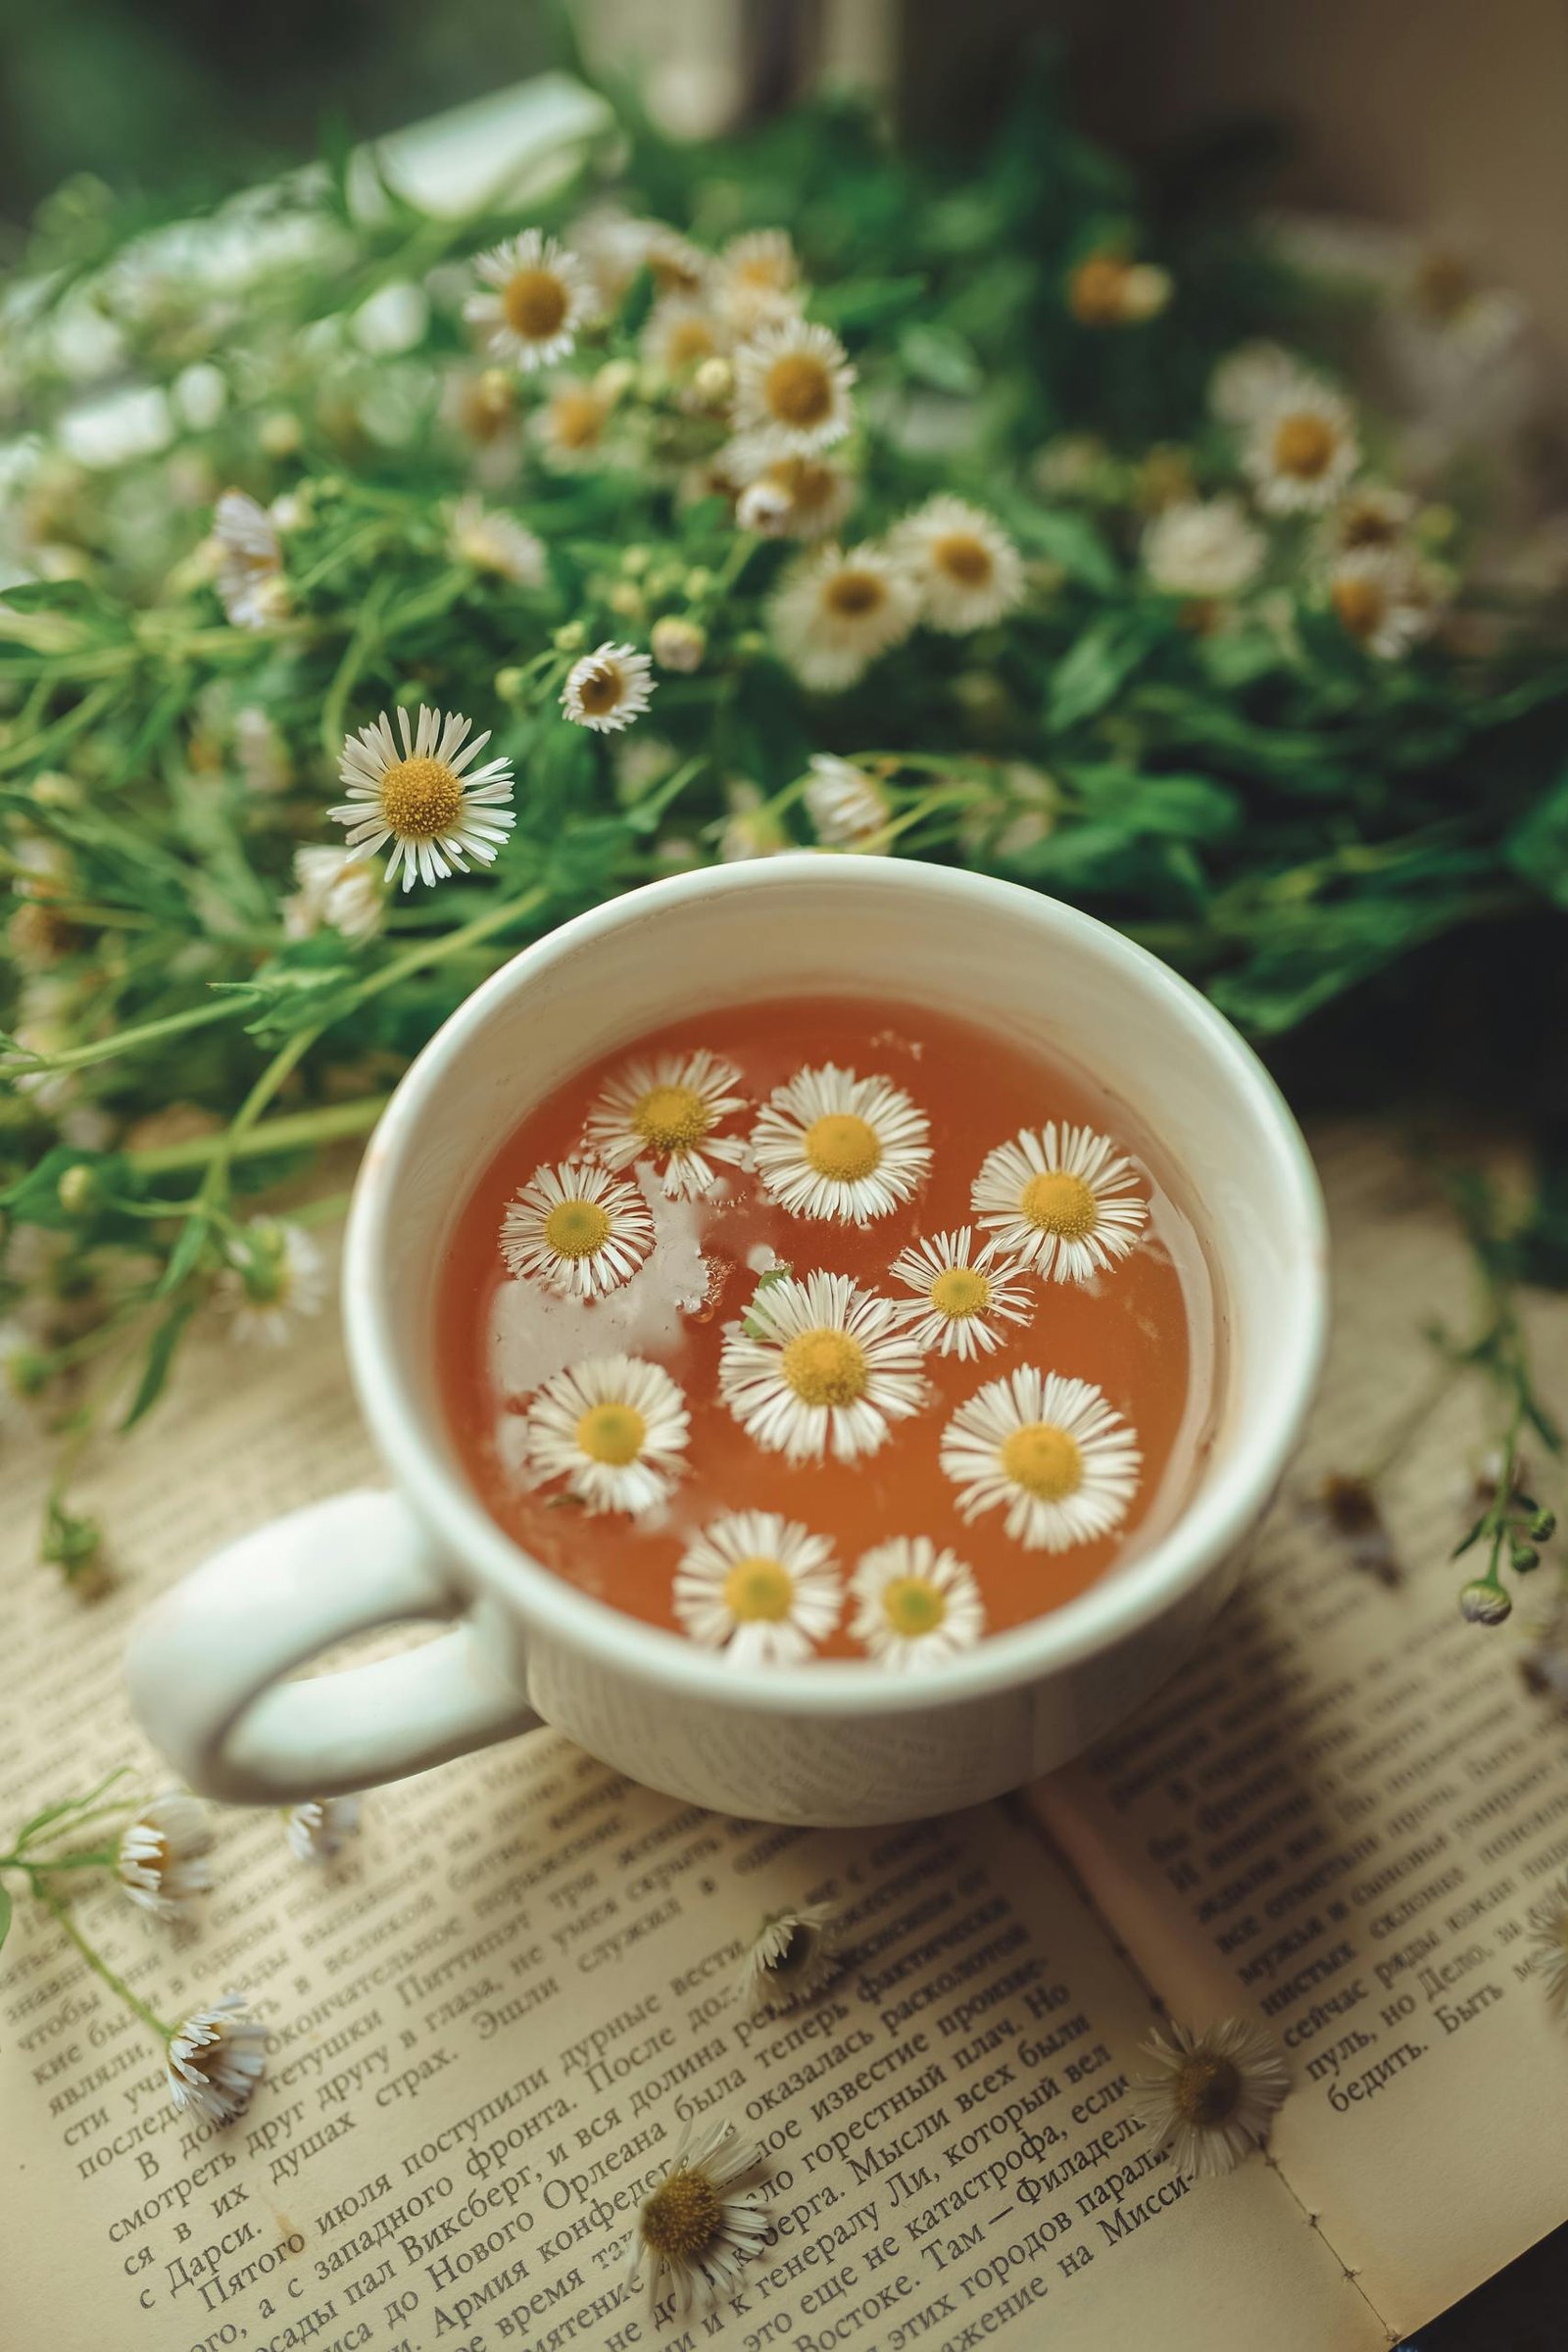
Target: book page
(491, 2017)
(1338, 1817)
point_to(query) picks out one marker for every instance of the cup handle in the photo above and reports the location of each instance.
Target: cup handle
(206, 1666)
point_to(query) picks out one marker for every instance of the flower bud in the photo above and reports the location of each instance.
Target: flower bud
(627, 599)
(678, 644)
(508, 684)
(77, 1190)
(765, 509)
(570, 637)
(53, 790)
(713, 383)
(699, 581)
(614, 380)
(1523, 1557)
(1483, 1603)
(280, 433)
(634, 560)
(1542, 1527)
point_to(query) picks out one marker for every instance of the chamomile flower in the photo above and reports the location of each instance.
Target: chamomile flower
(1106, 289)
(489, 541)
(277, 1276)
(1202, 548)
(791, 1957)
(914, 1606)
(1212, 2095)
(576, 1230)
(1049, 1451)
(703, 2223)
(250, 562)
(1062, 1199)
(757, 281)
(1381, 598)
(162, 1857)
(607, 688)
(674, 263)
(571, 426)
(537, 299)
(792, 390)
(847, 808)
(614, 1428)
(831, 1145)
(1250, 380)
(965, 568)
(759, 1587)
(1370, 514)
(335, 891)
(1549, 1943)
(216, 2058)
(796, 498)
(1301, 449)
(962, 1295)
(423, 798)
(820, 1366)
(318, 1830)
(836, 611)
(666, 1110)
(679, 335)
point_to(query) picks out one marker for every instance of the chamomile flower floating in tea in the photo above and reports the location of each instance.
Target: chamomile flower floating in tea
(961, 1293)
(791, 1957)
(537, 299)
(162, 1857)
(614, 1428)
(665, 1110)
(607, 688)
(1062, 1199)
(792, 390)
(703, 2222)
(760, 1588)
(833, 611)
(577, 1228)
(1212, 2095)
(1048, 1450)
(422, 799)
(820, 1366)
(831, 1145)
(967, 569)
(915, 1605)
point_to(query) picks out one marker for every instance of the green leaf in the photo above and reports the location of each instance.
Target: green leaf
(1096, 669)
(940, 357)
(1536, 849)
(160, 1355)
(1071, 540)
(4, 1915)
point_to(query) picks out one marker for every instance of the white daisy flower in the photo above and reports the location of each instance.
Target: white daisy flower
(1049, 1450)
(1384, 599)
(831, 1145)
(161, 1858)
(215, 2059)
(1060, 1199)
(679, 335)
(915, 1605)
(1548, 1944)
(607, 688)
(666, 1110)
(614, 1428)
(260, 752)
(757, 281)
(1370, 514)
(752, 828)
(571, 426)
(278, 1276)
(789, 1959)
(489, 541)
(336, 891)
(963, 1295)
(422, 800)
(318, 1830)
(577, 1230)
(1212, 2095)
(847, 808)
(1301, 449)
(820, 1366)
(792, 390)
(618, 247)
(759, 1587)
(539, 297)
(793, 498)
(1250, 380)
(250, 562)
(703, 2223)
(965, 568)
(1106, 289)
(1202, 548)
(835, 612)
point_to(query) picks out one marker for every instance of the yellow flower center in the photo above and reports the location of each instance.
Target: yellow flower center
(672, 1118)
(688, 341)
(1060, 1203)
(1360, 605)
(422, 799)
(535, 303)
(682, 2218)
(599, 690)
(825, 1366)
(807, 485)
(853, 595)
(842, 1145)
(577, 1228)
(613, 1434)
(964, 558)
(1097, 290)
(911, 1606)
(1362, 524)
(799, 390)
(1305, 445)
(1206, 2090)
(959, 1292)
(758, 1592)
(576, 418)
(1044, 1460)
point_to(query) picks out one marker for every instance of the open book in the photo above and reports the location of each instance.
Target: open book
(491, 2017)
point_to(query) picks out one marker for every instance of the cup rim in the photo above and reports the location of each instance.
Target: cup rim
(1229, 1501)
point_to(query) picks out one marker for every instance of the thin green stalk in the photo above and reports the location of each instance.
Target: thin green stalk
(101, 1968)
(295, 1131)
(106, 1049)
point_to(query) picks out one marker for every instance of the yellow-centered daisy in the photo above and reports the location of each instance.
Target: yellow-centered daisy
(1048, 1450)
(577, 1230)
(679, 334)
(962, 1295)
(666, 1110)
(966, 569)
(914, 1606)
(760, 1588)
(792, 498)
(1301, 449)
(614, 1428)
(1211, 2096)
(820, 1366)
(571, 426)
(705, 2220)
(1060, 1199)
(836, 611)
(756, 279)
(607, 688)
(792, 390)
(1383, 599)
(423, 799)
(831, 1145)
(537, 298)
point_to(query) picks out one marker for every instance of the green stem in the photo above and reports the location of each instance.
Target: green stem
(101, 1968)
(295, 1131)
(104, 1048)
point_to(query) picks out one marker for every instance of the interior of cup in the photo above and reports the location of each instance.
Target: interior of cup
(1002, 958)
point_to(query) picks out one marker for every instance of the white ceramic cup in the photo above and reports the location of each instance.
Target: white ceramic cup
(827, 1743)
